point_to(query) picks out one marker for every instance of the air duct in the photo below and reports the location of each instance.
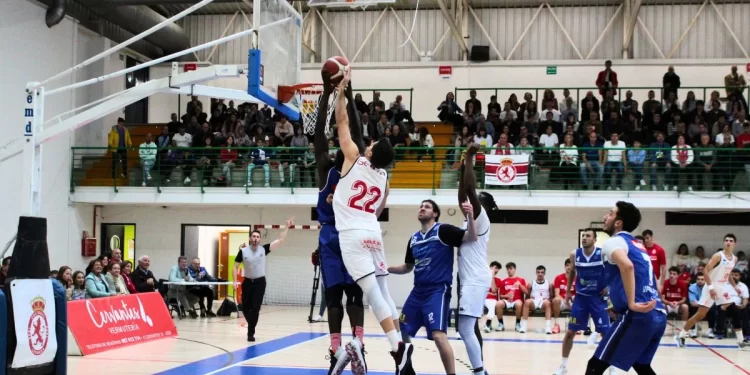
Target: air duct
(55, 13)
(137, 19)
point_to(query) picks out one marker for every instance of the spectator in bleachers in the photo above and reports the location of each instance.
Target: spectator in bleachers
(614, 125)
(725, 167)
(399, 113)
(694, 131)
(259, 135)
(568, 168)
(482, 139)
(670, 101)
(199, 140)
(398, 140)
(503, 147)
(126, 269)
(569, 110)
(614, 160)
(96, 286)
(738, 127)
(483, 123)
(299, 141)
(174, 124)
(571, 125)
(716, 115)
(522, 134)
(670, 82)
(682, 257)
(514, 103)
(65, 276)
(163, 155)
(567, 102)
(147, 151)
(685, 275)
(674, 295)
(705, 159)
(142, 277)
(595, 123)
(77, 290)
(493, 105)
(53, 274)
(610, 104)
(450, 112)
(241, 139)
(376, 105)
(476, 103)
(725, 132)
(651, 105)
(700, 259)
(607, 79)
(549, 143)
(549, 95)
(283, 132)
(531, 115)
(508, 115)
(119, 141)
(208, 157)
(360, 104)
(217, 121)
(115, 281)
(178, 274)
(194, 107)
(4, 270)
(636, 163)
(679, 131)
(424, 139)
(742, 262)
(734, 83)
(734, 111)
(690, 103)
(591, 158)
(682, 157)
(259, 158)
(550, 107)
(589, 105)
(659, 155)
(308, 164)
(549, 122)
(698, 112)
(228, 157)
(230, 126)
(193, 127)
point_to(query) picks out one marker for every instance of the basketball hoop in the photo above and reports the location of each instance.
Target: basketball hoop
(306, 97)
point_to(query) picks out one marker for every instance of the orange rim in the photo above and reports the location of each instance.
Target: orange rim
(286, 93)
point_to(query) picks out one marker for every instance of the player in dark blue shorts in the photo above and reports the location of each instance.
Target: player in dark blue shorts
(590, 289)
(429, 253)
(634, 337)
(336, 279)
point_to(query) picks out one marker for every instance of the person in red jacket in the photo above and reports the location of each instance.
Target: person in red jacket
(674, 294)
(228, 157)
(607, 79)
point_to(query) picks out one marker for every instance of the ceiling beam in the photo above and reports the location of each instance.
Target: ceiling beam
(454, 28)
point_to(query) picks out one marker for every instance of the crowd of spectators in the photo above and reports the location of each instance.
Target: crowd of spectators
(109, 275)
(600, 137)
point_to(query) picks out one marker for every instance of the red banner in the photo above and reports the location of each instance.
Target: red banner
(102, 324)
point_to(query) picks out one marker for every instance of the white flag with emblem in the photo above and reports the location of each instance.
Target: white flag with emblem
(34, 315)
(506, 169)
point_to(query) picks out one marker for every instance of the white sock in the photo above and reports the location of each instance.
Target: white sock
(394, 339)
(548, 323)
(738, 334)
(565, 362)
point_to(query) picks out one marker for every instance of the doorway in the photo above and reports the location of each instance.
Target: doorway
(216, 245)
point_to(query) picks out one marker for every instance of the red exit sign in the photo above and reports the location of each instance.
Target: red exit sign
(190, 67)
(445, 70)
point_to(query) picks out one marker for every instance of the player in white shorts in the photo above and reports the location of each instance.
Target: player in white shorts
(539, 299)
(358, 200)
(717, 273)
(473, 274)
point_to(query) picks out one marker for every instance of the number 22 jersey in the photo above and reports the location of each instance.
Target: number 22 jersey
(358, 196)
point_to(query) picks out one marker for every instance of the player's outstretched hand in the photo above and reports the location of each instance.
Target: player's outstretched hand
(467, 209)
(290, 222)
(472, 150)
(643, 307)
(345, 81)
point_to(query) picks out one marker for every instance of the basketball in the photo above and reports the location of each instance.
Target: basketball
(336, 67)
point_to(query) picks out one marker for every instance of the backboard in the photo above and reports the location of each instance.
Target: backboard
(347, 3)
(276, 59)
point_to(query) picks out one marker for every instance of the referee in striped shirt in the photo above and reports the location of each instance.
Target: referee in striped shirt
(253, 260)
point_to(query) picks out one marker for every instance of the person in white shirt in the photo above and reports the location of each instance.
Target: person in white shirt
(508, 114)
(737, 311)
(614, 161)
(147, 152)
(550, 107)
(568, 167)
(549, 142)
(482, 139)
(422, 138)
(682, 157)
(539, 299)
(182, 157)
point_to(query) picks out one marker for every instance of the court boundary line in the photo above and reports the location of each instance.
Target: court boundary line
(711, 349)
(240, 362)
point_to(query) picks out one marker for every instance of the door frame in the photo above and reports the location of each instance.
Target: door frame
(135, 231)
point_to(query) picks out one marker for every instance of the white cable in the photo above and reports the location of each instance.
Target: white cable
(414, 23)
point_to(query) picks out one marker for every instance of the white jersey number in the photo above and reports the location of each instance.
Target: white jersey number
(363, 190)
(647, 258)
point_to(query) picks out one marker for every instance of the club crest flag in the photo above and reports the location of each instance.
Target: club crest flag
(34, 314)
(506, 170)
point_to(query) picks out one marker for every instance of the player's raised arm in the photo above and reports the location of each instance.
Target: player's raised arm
(355, 126)
(467, 183)
(385, 199)
(320, 141)
(348, 147)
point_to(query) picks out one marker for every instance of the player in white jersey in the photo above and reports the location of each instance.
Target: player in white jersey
(539, 299)
(359, 199)
(473, 275)
(718, 278)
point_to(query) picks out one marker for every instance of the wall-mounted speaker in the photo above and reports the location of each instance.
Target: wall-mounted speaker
(480, 53)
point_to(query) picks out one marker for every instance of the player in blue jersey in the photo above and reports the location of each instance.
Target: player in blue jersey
(590, 293)
(429, 253)
(336, 279)
(634, 337)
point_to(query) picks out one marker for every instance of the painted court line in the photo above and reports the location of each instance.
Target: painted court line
(259, 370)
(215, 364)
(711, 349)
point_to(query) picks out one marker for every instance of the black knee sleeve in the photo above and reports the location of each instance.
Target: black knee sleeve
(334, 295)
(641, 369)
(354, 295)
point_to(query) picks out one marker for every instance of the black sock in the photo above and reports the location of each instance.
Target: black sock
(641, 369)
(596, 366)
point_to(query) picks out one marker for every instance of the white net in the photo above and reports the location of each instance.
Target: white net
(280, 43)
(309, 103)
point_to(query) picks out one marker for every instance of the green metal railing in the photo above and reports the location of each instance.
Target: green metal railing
(435, 168)
(640, 94)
